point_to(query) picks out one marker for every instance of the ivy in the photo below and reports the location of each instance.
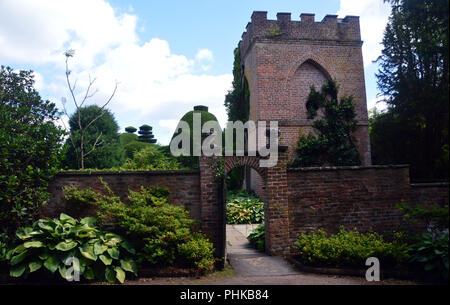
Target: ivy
(334, 143)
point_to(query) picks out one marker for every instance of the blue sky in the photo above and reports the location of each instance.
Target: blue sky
(166, 55)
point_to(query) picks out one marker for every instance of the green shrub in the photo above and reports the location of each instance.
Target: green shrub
(150, 157)
(49, 243)
(257, 238)
(431, 253)
(162, 233)
(243, 208)
(350, 248)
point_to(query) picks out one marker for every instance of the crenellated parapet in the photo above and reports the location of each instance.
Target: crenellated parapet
(331, 28)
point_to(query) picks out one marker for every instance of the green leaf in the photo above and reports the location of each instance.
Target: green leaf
(18, 258)
(51, 263)
(110, 275)
(127, 246)
(63, 272)
(114, 253)
(33, 244)
(99, 248)
(89, 273)
(17, 271)
(105, 259)
(129, 265)
(66, 245)
(120, 274)
(36, 265)
(66, 218)
(88, 252)
(90, 221)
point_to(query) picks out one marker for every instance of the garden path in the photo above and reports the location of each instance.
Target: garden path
(247, 261)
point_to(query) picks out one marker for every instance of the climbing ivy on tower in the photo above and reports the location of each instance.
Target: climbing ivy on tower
(334, 143)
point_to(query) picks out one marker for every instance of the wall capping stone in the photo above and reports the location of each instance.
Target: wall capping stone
(146, 172)
(336, 168)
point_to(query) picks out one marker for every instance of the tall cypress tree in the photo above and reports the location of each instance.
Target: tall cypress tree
(414, 77)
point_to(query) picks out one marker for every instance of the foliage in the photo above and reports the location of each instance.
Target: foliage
(350, 248)
(257, 238)
(151, 157)
(434, 216)
(432, 254)
(130, 129)
(414, 79)
(218, 167)
(237, 100)
(4, 241)
(126, 138)
(51, 243)
(162, 233)
(30, 142)
(146, 134)
(132, 147)
(244, 208)
(334, 145)
(100, 140)
(274, 31)
(192, 162)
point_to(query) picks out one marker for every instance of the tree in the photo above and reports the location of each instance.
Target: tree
(334, 144)
(107, 153)
(30, 143)
(414, 78)
(130, 129)
(81, 150)
(146, 134)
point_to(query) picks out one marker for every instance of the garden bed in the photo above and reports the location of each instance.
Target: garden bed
(402, 274)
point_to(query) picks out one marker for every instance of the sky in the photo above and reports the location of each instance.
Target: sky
(166, 56)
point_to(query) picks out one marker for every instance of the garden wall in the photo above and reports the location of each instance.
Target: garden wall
(361, 197)
(184, 186)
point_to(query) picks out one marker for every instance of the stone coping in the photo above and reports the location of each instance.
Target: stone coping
(335, 168)
(145, 172)
(430, 184)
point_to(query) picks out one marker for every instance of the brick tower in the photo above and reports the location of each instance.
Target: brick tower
(283, 58)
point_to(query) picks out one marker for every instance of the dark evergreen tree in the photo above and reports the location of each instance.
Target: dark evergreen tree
(103, 133)
(414, 77)
(130, 129)
(146, 134)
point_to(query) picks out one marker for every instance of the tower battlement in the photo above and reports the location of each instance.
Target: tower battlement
(331, 28)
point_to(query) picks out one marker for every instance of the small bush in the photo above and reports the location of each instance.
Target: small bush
(257, 238)
(244, 208)
(161, 232)
(350, 248)
(431, 253)
(50, 243)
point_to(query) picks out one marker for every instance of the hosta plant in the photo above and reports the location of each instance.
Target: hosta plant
(56, 245)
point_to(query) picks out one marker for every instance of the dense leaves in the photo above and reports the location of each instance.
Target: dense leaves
(244, 208)
(150, 157)
(257, 238)
(349, 248)
(29, 148)
(414, 78)
(102, 133)
(334, 144)
(161, 232)
(60, 244)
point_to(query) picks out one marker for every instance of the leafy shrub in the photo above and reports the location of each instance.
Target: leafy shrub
(244, 208)
(349, 248)
(162, 233)
(149, 157)
(435, 217)
(257, 238)
(30, 143)
(49, 243)
(431, 253)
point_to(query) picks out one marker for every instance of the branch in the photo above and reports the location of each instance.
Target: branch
(95, 144)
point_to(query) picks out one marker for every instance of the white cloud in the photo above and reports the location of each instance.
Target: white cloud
(374, 16)
(154, 84)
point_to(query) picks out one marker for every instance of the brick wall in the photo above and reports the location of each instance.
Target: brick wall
(184, 186)
(361, 197)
